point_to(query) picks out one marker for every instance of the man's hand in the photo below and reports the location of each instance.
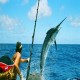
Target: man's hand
(28, 59)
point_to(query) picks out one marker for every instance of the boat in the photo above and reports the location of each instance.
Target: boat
(6, 68)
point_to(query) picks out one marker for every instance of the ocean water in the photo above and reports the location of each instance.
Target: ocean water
(61, 64)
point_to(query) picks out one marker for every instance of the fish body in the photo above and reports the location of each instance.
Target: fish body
(50, 37)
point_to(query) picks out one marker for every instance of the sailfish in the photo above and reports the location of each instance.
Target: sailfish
(50, 37)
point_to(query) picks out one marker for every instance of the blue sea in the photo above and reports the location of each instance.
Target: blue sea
(61, 64)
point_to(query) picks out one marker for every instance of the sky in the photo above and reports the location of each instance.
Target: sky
(17, 20)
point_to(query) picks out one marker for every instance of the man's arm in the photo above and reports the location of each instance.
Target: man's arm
(25, 60)
(16, 64)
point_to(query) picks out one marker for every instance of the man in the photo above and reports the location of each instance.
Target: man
(17, 60)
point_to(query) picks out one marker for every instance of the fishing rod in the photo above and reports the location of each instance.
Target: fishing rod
(28, 69)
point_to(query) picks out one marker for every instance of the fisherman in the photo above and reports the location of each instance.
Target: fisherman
(17, 60)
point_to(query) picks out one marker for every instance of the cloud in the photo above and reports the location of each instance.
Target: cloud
(7, 22)
(3, 1)
(44, 10)
(74, 21)
(25, 2)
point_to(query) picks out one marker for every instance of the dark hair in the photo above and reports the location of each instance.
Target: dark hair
(18, 47)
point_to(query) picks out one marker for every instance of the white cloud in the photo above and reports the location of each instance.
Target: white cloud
(3, 1)
(25, 2)
(8, 22)
(74, 21)
(44, 10)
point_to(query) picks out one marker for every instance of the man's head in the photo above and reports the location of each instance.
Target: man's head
(18, 47)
